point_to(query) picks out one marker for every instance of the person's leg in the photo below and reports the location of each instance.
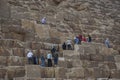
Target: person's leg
(48, 62)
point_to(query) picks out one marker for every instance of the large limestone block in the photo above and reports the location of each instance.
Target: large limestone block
(3, 61)
(33, 71)
(60, 72)
(117, 58)
(2, 73)
(27, 24)
(4, 9)
(96, 57)
(15, 72)
(115, 73)
(76, 73)
(19, 52)
(118, 66)
(111, 65)
(15, 61)
(42, 31)
(48, 72)
(4, 52)
(99, 72)
(109, 58)
(89, 73)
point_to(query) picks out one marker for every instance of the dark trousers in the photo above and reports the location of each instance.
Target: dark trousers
(30, 60)
(49, 63)
(55, 61)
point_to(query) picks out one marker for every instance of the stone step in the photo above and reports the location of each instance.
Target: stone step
(12, 61)
(44, 72)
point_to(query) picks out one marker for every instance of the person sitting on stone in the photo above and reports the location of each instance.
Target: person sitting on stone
(107, 43)
(49, 59)
(30, 57)
(43, 21)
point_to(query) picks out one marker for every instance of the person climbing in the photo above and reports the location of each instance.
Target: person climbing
(30, 57)
(89, 39)
(69, 44)
(49, 59)
(43, 21)
(55, 57)
(42, 60)
(64, 46)
(107, 43)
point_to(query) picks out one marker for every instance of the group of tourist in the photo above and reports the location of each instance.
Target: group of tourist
(51, 55)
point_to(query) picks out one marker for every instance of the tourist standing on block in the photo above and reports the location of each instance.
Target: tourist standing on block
(55, 56)
(42, 60)
(43, 21)
(30, 57)
(89, 39)
(49, 59)
(107, 43)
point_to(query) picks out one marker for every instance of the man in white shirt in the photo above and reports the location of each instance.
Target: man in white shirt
(30, 57)
(49, 59)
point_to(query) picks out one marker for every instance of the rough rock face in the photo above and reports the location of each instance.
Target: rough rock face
(21, 30)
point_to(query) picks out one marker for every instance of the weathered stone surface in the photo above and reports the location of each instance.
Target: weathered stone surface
(15, 61)
(4, 9)
(3, 61)
(15, 72)
(2, 73)
(19, 52)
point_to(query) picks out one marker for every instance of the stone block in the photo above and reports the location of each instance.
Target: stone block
(2, 73)
(111, 65)
(96, 57)
(4, 52)
(15, 61)
(47, 72)
(19, 52)
(89, 73)
(115, 74)
(33, 71)
(60, 72)
(117, 58)
(76, 73)
(4, 9)
(118, 66)
(109, 58)
(15, 72)
(3, 60)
